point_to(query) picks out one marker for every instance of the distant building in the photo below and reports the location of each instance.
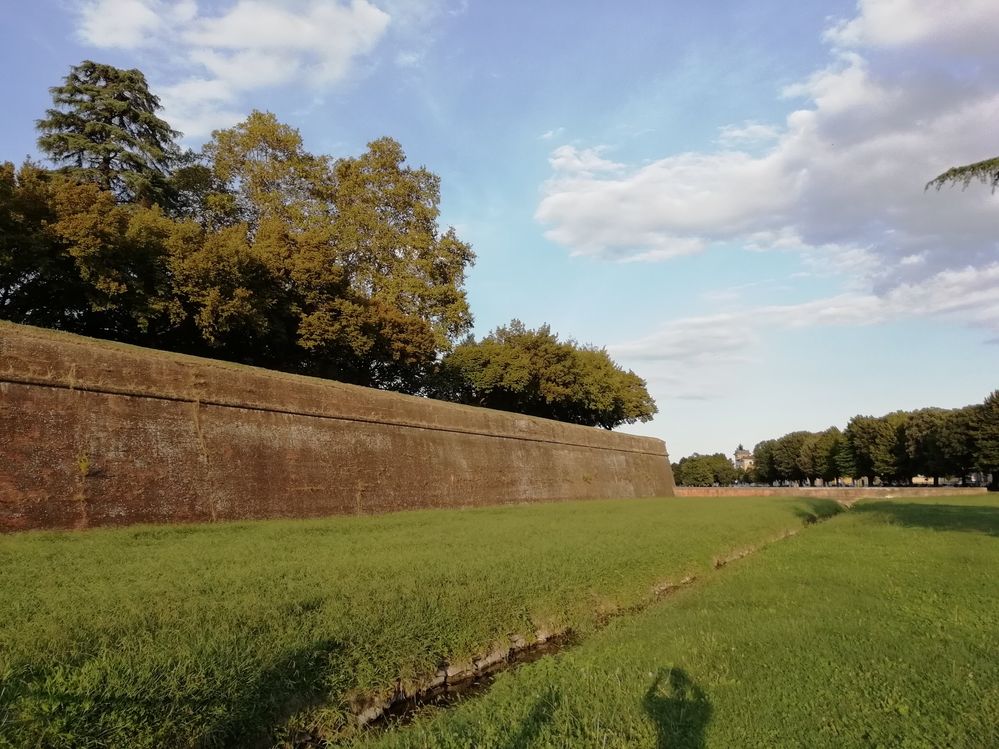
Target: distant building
(743, 459)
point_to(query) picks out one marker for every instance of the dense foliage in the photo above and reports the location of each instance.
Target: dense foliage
(104, 128)
(705, 470)
(533, 372)
(985, 171)
(894, 448)
(257, 251)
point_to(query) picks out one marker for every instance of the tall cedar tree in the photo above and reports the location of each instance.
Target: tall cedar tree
(103, 128)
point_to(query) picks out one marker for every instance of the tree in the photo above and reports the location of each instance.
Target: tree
(959, 443)
(338, 269)
(809, 459)
(823, 449)
(764, 467)
(531, 371)
(704, 470)
(402, 273)
(878, 446)
(39, 283)
(693, 472)
(257, 251)
(103, 128)
(725, 474)
(843, 464)
(924, 444)
(121, 258)
(986, 171)
(987, 441)
(786, 454)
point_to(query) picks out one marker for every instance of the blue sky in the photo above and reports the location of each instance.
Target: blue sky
(727, 195)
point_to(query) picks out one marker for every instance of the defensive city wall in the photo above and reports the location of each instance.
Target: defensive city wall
(94, 433)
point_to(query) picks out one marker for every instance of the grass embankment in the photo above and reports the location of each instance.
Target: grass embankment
(879, 629)
(216, 635)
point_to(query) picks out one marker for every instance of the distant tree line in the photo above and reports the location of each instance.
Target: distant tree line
(256, 251)
(893, 449)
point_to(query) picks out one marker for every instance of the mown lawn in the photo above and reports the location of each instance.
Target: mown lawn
(877, 629)
(228, 634)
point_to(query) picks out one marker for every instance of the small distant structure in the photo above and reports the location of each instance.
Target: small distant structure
(743, 459)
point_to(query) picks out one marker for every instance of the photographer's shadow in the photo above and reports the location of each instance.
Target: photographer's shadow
(679, 709)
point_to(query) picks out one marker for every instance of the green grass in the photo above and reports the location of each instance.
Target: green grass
(877, 629)
(218, 635)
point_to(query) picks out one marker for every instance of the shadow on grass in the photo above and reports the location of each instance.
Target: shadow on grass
(540, 716)
(813, 510)
(969, 518)
(61, 704)
(679, 709)
(292, 685)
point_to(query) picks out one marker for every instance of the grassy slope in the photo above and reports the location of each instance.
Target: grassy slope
(878, 629)
(174, 636)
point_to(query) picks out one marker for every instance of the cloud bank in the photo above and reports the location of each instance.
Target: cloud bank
(911, 87)
(224, 52)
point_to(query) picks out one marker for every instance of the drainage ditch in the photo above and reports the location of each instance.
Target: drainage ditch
(453, 683)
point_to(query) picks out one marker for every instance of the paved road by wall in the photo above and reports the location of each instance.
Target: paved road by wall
(95, 433)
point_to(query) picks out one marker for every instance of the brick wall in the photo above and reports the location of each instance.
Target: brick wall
(94, 433)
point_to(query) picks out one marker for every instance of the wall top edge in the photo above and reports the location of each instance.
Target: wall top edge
(38, 357)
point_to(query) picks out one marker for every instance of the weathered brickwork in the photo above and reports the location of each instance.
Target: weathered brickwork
(95, 433)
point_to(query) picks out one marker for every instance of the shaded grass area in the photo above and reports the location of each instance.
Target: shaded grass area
(227, 635)
(880, 629)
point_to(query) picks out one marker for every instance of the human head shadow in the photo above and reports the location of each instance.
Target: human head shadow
(940, 517)
(678, 708)
(541, 714)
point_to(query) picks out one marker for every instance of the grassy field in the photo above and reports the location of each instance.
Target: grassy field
(877, 629)
(220, 635)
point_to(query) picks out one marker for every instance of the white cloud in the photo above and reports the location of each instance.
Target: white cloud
(119, 23)
(694, 356)
(322, 38)
(200, 105)
(586, 161)
(409, 59)
(673, 206)
(553, 133)
(248, 45)
(842, 180)
(746, 133)
(900, 23)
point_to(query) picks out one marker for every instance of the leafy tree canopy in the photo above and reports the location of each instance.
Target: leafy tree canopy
(258, 251)
(705, 470)
(529, 371)
(103, 127)
(986, 426)
(986, 171)
(894, 448)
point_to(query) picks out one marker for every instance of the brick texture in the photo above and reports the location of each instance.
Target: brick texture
(94, 433)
